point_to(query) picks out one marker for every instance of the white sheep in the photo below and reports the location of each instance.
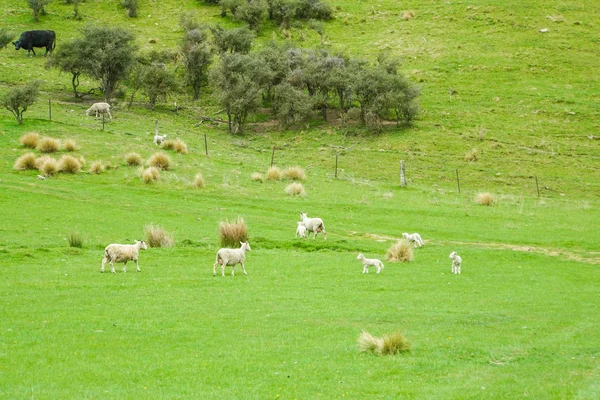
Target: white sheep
(456, 261)
(413, 238)
(368, 262)
(122, 253)
(102, 108)
(231, 257)
(301, 230)
(159, 139)
(314, 225)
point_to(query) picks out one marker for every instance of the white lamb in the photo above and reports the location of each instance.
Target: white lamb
(159, 139)
(102, 108)
(231, 257)
(314, 225)
(413, 238)
(456, 261)
(301, 230)
(122, 253)
(368, 262)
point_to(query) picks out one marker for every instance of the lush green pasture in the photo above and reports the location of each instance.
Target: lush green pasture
(520, 321)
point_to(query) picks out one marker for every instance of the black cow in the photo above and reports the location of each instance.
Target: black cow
(30, 39)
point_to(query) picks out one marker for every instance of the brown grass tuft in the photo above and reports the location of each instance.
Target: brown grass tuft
(294, 173)
(295, 189)
(232, 233)
(408, 15)
(133, 159)
(97, 167)
(160, 161)
(199, 181)
(150, 174)
(401, 251)
(485, 199)
(389, 344)
(30, 140)
(26, 161)
(48, 145)
(368, 343)
(48, 166)
(70, 145)
(158, 237)
(258, 177)
(178, 145)
(69, 164)
(75, 239)
(274, 174)
(472, 155)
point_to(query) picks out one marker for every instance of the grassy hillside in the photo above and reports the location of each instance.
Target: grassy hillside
(520, 321)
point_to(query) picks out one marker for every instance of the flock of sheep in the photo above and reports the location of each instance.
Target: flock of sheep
(231, 257)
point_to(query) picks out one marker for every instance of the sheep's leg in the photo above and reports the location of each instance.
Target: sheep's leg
(112, 266)
(223, 263)
(125, 266)
(365, 269)
(104, 260)
(215, 269)
(109, 116)
(138, 266)
(244, 269)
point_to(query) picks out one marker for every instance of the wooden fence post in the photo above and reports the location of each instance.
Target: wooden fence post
(50, 109)
(336, 163)
(537, 186)
(402, 174)
(457, 181)
(272, 156)
(205, 145)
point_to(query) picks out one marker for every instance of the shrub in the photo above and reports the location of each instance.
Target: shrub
(70, 145)
(30, 140)
(389, 344)
(131, 6)
(258, 177)
(401, 251)
(158, 237)
(69, 164)
(294, 173)
(39, 162)
(26, 161)
(49, 167)
(97, 167)
(75, 239)
(274, 174)
(48, 145)
(82, 160)
(160, 161)
(295, 189)
(178, 145)
(150, 174)
(19, 98)
(472, 155)
(232, 233)
(199, 181)
(133, 159)
(5, 37)
(407, 15)
(485, 199)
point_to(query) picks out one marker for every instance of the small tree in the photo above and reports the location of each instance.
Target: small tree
(253, 12)
(197, 57)
(291, 104)
(5, 37)
(238, 40)
(18, 99)
(67, 59)
(158, 83)
(38, 7)
(131, 6)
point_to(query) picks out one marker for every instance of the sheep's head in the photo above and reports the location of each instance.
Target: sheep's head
(405, 235)
(360, 256)
(302, 215)
(87, 112)
(143, 245)
(453, 254)
(245, 246)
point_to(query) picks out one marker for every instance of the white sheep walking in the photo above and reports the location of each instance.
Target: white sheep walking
(159, 139)
(122, 253)
(301, 230)
(231, 257)
(456, 261)
(414, 238)
(102, 108)
(314, 225)
(370, 262)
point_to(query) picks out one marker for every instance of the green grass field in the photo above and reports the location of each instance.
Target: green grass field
(520, 321)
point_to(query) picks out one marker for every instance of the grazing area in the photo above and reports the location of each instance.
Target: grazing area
(507, 117)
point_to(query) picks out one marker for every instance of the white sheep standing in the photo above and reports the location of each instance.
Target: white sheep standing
(414, 238)
(102, 108)
(122, 253)
(301, 230)
(159, 139)
(456, 261)
(231, 257)
(314, 225)
(368, 262)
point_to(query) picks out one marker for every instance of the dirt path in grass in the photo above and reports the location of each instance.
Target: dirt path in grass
(588, 257)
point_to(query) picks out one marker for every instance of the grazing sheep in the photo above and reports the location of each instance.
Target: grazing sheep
(231, 257)
(413, 238)
(102, 108)
(122, 253)
(159, 139)
(314, 225)
(368, 262)
(301, 230)
(456, 261)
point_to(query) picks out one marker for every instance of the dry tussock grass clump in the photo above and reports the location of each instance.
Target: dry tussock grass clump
(75, 239)
(232, 233)
(48, 166)
(388, 344)
(133, 159)
(70, 145)
(160, 161)
(408, 15)
(294, 173)
(97, 167)
(150, 174)
(258, 177)
(485, 199)
(158, 237)
(69, 165)
(48, 145)
(199, 181)
(472, 155)
(401, 251)
(26, 161)
(40, 161)
(30, 140)
(274, 174)
(295, 189)
(178, 145)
